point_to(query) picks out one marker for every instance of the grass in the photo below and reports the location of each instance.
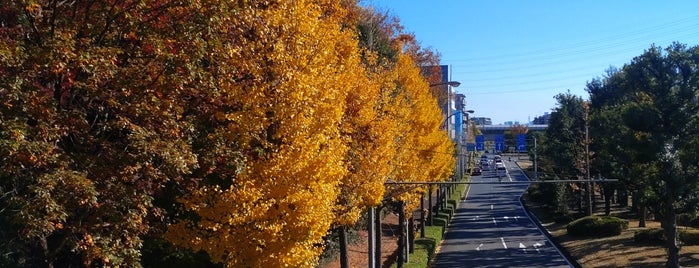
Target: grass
(425, 247)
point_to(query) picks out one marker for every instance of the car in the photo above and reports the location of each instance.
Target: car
(485, 166)
(501, 170)
(476, 171)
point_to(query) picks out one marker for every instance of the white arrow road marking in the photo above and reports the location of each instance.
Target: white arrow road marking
(476, 218)
(479, 247)
(517, 218)
(523, 247)
(503, 242)
(495, 222)
(536, 246)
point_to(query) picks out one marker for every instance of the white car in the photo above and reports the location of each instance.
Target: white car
(501, 169)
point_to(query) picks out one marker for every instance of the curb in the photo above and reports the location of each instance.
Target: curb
(571, 261)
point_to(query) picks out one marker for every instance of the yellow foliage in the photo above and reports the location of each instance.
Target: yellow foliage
(279, 112)
(425, 153)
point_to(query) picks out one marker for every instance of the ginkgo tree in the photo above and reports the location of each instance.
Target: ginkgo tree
(241, 129)
(424, 151)
(274, 149)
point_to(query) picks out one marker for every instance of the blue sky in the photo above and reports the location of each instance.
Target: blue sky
(512, 57)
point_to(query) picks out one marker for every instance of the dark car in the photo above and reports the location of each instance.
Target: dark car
(476, 171)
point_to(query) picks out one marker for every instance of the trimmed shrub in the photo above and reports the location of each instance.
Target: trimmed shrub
(689, 237)
(597, 226)
(653, 236)
(656, 236)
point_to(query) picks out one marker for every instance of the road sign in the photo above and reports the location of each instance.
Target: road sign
(521, 142)
(499, 143)
(480, 143)
(471, 147)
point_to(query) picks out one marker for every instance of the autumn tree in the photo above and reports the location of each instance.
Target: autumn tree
(91, 126)
(424, 151)
(274, 151)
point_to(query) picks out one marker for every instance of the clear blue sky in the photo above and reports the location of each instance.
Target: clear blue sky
(512, 57)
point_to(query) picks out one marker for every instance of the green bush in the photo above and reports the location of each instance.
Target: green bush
(689, 237)
(593, 226)
(656, 236)
(653, 236)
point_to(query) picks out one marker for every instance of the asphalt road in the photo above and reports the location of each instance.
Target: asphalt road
(491, 228)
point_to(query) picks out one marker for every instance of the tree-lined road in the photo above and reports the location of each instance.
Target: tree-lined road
(491, 228)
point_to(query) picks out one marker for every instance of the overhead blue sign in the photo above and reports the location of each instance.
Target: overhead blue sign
(471, 147)
(480, 143)
(499, 143)
(521, 142)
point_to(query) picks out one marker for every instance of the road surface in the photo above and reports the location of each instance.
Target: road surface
(491, 228)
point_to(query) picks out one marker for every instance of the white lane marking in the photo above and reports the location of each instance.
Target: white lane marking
(491, 206)
(495, 222)
(479, 247)
(503, 242)
(509, 178)
(517, 218)
(523, 247)
(476, 218)
(507, 218)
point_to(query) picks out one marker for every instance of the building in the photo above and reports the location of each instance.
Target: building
(482, 121)
(542, 120)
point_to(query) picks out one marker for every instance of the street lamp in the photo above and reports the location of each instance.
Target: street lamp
(448, 100)
(468, 126)
(450, 83)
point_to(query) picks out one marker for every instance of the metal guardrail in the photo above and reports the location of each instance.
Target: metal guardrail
(486, 182)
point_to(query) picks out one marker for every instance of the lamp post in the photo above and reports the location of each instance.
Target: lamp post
(468, 126)
(450, 84)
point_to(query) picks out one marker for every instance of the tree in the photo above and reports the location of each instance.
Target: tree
(274, 151)
(563, 148)
(658, 94)
(90, 127)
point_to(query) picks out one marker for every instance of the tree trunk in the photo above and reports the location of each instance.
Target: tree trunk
(623, 197)
(411, 235)
(401, 236)
(430, 218)
(669, 224)
(45, 253)
(608, 197)
(344, 260)
(642, 215)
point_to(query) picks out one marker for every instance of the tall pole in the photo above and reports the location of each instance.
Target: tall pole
(536, 171)
(401, 235)
(372, 230)
(587, 162)
(423, 221)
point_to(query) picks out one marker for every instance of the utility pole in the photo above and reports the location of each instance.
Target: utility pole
(372, 239)
(536, 171)
(587, 159)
